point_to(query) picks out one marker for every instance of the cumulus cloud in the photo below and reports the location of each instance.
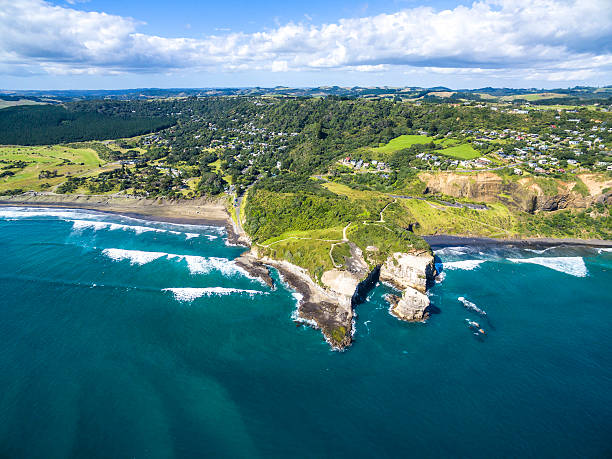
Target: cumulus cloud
(544, 39)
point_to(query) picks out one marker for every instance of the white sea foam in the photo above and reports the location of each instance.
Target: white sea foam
(295, 316)
(573, 266)
(446, 251)
(298, 297)
(463, 264)
(602, 250)
(36, 212)
(191, 293)
(540, 251)
(195, 264)
(17, 212)
(80, 225)
(203, 265)
(135, 257)
(440, 277)
(469, 305)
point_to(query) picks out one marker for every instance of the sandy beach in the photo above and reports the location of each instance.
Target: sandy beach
(201, 211)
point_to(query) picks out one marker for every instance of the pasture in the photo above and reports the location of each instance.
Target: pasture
(21, 166)
(463, 151)
(401, 142)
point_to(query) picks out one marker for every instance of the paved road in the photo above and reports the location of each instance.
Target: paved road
(237, 208)
(446, 203)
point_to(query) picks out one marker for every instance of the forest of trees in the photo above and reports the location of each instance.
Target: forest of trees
(52, 124)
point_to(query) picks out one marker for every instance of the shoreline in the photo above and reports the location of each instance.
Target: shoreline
(444, 240)
(203, 212)
(188, 212)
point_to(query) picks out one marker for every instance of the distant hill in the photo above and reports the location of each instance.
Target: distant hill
(576, 95)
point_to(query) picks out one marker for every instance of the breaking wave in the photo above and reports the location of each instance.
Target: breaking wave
(469, 305)
(450, 251)
(196, 264)
(188, 294)
(77, 218)
(573, 266)
(135, 257)
(463, 264)
(36, 212)
(80, 225)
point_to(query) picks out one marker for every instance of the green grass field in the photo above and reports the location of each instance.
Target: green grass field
(349, 192)
(533, 97)
(463, 151)
(67, 161)
(305, 249)
(439, 219)
(401, 142)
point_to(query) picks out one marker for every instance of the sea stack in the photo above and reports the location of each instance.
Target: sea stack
(412, 273)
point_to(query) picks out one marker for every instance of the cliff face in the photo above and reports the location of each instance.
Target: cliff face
(330, 306)
(411, 273)
(524, 194)
(404, 270)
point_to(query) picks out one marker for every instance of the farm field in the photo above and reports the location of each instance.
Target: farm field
(401, 142)
(14, 103)
(533, 97)
(22, 166)
(463, 151)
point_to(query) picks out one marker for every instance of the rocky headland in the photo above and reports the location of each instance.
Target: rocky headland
(330, 305)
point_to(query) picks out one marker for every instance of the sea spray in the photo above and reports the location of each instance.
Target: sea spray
(196, 264)
(189, 294)
(467, 265)
(135, 257)
(574, 266)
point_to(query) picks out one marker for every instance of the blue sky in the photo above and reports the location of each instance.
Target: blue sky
(76, 44)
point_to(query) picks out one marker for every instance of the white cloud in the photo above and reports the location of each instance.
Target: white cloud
(556, 40)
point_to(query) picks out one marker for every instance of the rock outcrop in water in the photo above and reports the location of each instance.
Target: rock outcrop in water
(412, 273)
(412, 306)
(330, 306)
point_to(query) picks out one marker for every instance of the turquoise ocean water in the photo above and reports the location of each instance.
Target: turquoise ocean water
(124, 338)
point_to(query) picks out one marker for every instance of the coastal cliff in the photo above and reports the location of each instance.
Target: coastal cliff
(329, 306)
(527, 194)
